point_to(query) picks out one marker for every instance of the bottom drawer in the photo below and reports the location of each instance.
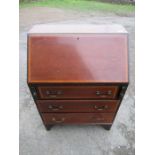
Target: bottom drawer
(78, 118)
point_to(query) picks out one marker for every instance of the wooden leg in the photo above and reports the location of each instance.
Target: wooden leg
(48, 127)
(107, 127)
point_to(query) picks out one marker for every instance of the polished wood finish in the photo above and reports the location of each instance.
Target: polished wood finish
(77, 74)
(108, 106)
(78, 118)
(72, 58)
(72, 92)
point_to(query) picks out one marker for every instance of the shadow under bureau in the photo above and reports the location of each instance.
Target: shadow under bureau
(77, 74)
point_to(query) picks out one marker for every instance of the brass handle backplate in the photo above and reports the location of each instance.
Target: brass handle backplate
(104, 107)
(54, 93)
(55, 107)
(100, 93)
(58, 120)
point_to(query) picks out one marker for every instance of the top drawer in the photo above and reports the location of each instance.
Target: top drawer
(78, 92)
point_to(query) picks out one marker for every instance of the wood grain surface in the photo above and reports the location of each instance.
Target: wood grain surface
(77, 58)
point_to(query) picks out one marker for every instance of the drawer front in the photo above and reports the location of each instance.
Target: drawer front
(75, 92)
(78, 118)
(77, 105)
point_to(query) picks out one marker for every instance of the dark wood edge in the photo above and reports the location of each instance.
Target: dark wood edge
(128, 57)
(27, 56)
(78, 83)
(121, 96)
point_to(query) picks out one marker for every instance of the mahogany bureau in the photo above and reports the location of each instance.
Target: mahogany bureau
(77, 74)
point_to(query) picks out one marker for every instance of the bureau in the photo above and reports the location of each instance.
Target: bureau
(77, 74)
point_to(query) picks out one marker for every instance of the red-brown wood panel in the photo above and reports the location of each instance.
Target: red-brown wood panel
(78, 118)
(107, 106)
(77, 58)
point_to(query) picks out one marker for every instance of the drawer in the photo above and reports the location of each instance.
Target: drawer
(78, 92)
(77, 105)
(77, 118)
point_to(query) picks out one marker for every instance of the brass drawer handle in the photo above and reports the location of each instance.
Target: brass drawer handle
(101, 107)
(100, 119)
(54, 107)
(58, 121)
(54, 93)
(100, 93)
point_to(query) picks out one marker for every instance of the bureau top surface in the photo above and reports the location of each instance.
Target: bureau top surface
(83, 28)
(62, 56)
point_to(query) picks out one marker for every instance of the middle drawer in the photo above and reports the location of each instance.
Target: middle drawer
(77, 105)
